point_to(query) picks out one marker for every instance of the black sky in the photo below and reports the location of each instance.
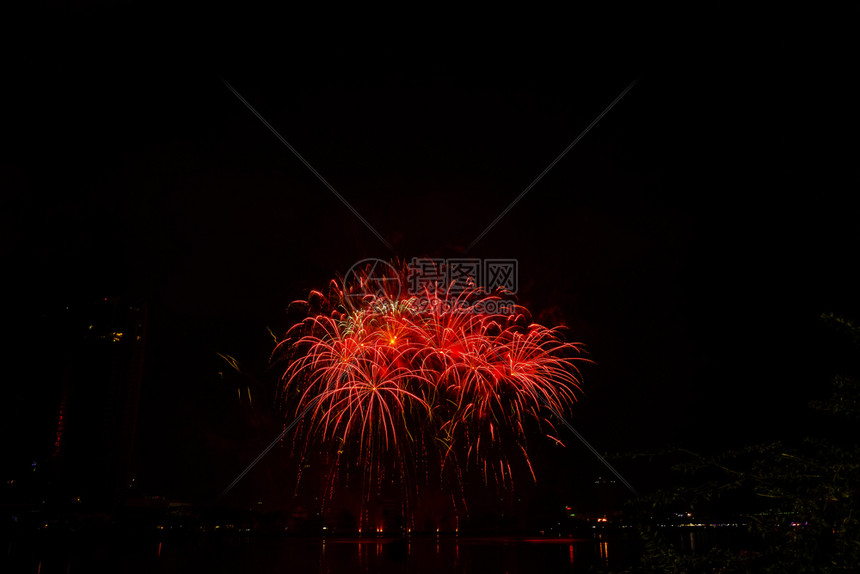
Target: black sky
(690, 240)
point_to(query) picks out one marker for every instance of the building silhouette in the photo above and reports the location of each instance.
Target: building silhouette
(98, 402)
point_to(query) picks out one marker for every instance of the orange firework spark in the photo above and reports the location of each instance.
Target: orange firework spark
(395, 385)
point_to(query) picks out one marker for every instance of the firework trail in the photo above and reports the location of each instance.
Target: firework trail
(405, 388)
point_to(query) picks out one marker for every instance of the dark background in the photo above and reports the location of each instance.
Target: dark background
(691, 240)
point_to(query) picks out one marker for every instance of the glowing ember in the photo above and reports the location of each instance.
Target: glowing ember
(402, 387)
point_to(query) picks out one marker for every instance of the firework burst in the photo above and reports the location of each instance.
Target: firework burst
(404, 388)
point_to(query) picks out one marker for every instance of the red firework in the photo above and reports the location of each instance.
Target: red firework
(401, 385)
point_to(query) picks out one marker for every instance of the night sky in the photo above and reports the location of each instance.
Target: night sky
(691, 239)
